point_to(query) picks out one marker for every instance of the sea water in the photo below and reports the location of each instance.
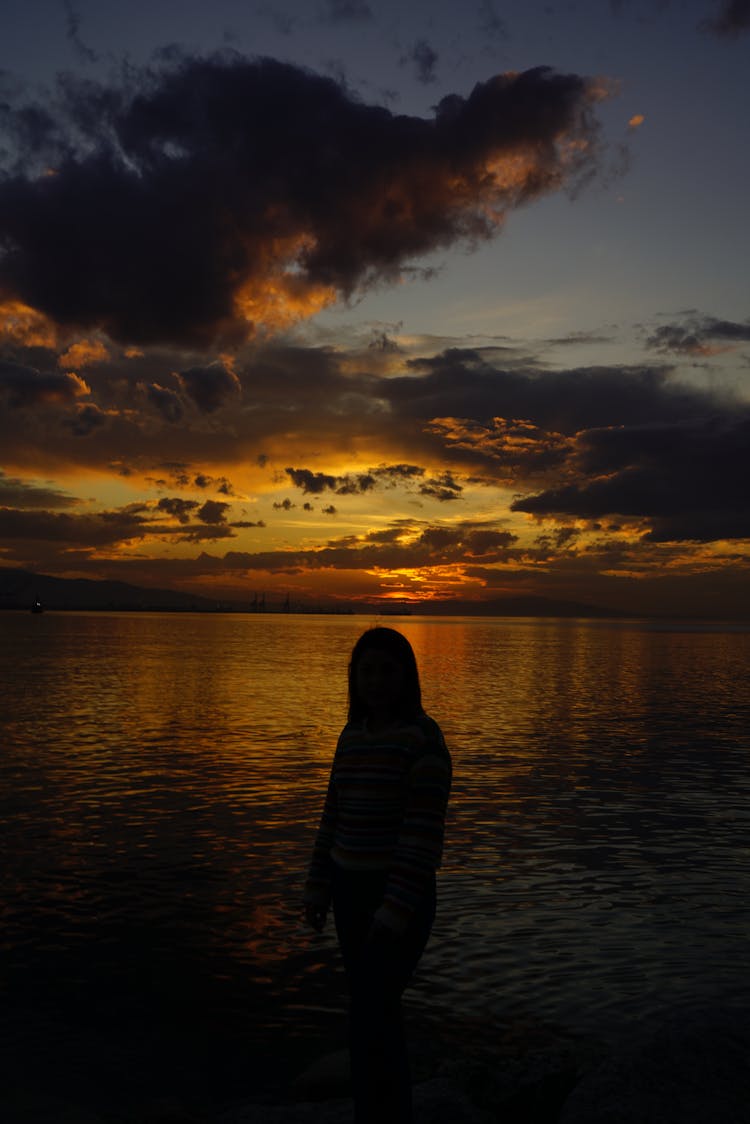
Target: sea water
(162, 776)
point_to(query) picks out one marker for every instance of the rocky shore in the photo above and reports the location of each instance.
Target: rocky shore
(687, 1070)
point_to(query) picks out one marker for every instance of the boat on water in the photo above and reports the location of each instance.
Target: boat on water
(37, 606)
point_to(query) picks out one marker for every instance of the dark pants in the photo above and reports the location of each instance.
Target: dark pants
(377, 973)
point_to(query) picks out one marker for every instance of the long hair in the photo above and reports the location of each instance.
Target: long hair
(409, 705)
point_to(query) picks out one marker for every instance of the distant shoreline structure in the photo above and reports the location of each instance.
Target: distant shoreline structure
(22, 589)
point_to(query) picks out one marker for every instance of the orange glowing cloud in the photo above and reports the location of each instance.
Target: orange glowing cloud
(276, 301)
(21, 324)
(83, 354)
(636, 121)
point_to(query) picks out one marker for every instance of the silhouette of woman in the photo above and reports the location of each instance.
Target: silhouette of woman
(376, 852)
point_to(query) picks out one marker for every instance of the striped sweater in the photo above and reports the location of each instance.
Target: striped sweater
(384, 810)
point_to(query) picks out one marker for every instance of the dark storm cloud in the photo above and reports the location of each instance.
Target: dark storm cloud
(167, 402)
(469, 384)
(209, 387)
(704, 335)
(731, 19)
(206, 195)
(85, 420)
(687, 479)
(27, 387)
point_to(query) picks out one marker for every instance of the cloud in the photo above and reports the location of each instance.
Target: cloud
(443, 488)
(207, 533)
(26, 387)
(213, 512)
(313, 483)
(473, 384)
(221, 484)
(340, 11)
(181, 509)
(167, 402)
(704, 335)
(424, 58)
(491, 25)
(19, 493)
(91, 530)
(357, 483)
(73, 20)
(682, 481)
(283, 22)
(638, 446)
(82, 354)
(204, 197)
(732, 18)
(729, 18)
(209, 387)
(393, 473)
(85, 420)
(168, 518)
(407, 545)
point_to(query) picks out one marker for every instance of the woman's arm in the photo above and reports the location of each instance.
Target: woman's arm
(420, 844)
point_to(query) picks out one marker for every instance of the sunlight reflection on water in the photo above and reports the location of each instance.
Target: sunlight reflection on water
(162, 777)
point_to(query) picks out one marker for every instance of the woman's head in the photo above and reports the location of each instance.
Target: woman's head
(383, 676)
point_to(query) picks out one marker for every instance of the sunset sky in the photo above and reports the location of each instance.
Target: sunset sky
(362, 299)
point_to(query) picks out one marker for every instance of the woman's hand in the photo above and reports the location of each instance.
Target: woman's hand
(315, 916)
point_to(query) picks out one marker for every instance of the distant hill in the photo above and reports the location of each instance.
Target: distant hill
(19, 589)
